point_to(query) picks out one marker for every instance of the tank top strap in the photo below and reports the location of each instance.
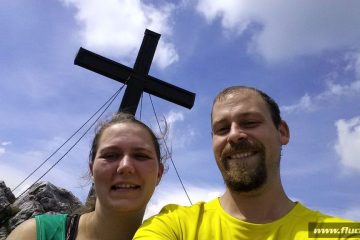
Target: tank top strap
(72, 223)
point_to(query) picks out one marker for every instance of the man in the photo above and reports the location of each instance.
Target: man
(247, 135)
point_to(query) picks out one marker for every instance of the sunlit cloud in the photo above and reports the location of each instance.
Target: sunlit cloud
(172, 117)
(3, 149)
(352, 214)
(348, 142)
(117, 28)
(17, 165)
(294, 29)
(304, 104)
(353, 59)
(5, 143)
(180, 135)
(333, 90)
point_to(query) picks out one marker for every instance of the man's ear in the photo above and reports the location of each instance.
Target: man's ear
(284, 133)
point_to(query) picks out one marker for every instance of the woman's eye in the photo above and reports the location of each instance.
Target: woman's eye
(109, 156)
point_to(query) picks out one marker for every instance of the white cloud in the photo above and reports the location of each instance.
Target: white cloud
(2, 151)
(338, 90)
(11, 175)
(304, 104)
(288, 29)
(5, 143)
(173, 194)
(235, 15)
(116, 28)
(352, 214)
(179, 136)
(172, 117)
(353, 59)
(15, 166)
(348, 142)
(308, 103)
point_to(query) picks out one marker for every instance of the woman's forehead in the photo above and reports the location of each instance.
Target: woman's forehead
(126, 128)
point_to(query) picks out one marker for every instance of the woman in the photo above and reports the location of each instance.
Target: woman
(125, 165)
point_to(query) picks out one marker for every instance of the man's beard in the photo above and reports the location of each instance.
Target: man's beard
(243, 175)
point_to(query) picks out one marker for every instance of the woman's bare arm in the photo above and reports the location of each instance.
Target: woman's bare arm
(25, 231)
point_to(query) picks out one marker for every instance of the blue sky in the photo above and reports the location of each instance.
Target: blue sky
(304, 54)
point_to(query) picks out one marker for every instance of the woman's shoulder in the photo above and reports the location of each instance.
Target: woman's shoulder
(26, 230)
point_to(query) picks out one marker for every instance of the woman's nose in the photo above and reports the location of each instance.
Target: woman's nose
(126, 166)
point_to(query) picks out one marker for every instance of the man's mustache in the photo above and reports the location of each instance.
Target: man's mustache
(244, 145)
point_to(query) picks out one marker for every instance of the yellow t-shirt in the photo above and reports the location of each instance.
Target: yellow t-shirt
(208, 221)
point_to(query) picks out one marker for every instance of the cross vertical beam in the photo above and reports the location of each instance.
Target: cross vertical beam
(142, 65)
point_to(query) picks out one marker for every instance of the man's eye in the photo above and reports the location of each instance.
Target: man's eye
(221, 130)
(250, 124)
(142, 156)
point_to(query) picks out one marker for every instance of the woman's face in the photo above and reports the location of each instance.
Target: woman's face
(126, 168)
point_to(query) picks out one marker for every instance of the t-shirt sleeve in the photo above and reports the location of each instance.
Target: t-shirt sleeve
(161, 226)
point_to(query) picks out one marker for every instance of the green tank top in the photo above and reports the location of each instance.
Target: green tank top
(51, 226)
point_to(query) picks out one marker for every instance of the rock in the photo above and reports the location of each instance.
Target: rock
(6, 199)
(6, 196)
(42, 197)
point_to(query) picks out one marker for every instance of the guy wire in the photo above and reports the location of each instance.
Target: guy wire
(167, 150)
(111, 99)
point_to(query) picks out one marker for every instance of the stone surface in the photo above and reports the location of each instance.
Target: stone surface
(42, 197)
(6, 196)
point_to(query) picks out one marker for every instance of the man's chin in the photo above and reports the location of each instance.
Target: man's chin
(245, 183)
(244, 188)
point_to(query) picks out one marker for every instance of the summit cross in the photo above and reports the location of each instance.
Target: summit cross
(137, 78)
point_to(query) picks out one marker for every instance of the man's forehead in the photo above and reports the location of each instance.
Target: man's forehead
(246, 100)
(238, 96)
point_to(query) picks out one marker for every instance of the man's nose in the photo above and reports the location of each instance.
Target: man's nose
(236, 134)
(126, 165)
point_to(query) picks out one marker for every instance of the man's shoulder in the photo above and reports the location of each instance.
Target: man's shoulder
(308, 214)
(175, 220)
(195, 208)
(323, 226)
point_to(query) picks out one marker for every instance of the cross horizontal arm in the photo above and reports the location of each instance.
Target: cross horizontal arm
(120, 73)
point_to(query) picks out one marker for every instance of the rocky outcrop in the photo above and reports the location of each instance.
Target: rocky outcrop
(6, 199)
(42, 197)
(6, 196)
